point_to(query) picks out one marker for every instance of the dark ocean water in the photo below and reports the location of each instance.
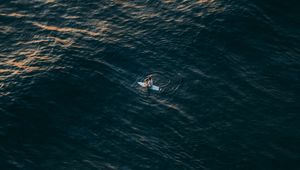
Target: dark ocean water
(229, 72)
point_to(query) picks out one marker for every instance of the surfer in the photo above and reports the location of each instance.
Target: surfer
(148, 81)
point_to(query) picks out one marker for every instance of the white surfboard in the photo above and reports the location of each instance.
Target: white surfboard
(153, 87)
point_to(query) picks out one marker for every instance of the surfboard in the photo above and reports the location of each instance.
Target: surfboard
(153, 87)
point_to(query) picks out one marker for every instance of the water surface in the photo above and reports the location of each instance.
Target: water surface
(229, 73)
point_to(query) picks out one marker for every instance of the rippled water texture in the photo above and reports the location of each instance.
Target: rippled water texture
(228, 71)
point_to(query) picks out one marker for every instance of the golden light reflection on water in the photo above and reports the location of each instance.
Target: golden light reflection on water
(98, 29)
(49, 41)
(70, 17)
(14, 14)
(50, 1)
(26, 61)
(62, 42)
(66, 29)
(7, 29)
(205, 1)
(143, 12)
(22, 62)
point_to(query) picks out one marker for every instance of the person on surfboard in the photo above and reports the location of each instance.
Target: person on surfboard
(148, 81)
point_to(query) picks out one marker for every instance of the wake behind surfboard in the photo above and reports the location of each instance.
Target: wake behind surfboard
(153, 87)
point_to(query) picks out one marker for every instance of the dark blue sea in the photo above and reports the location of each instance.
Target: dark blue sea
(229, 73)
